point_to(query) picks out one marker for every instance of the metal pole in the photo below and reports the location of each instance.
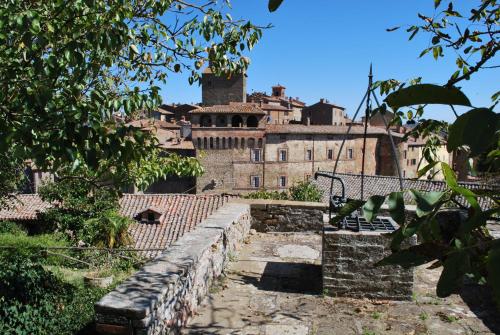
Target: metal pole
(367, 116)
(394, 151)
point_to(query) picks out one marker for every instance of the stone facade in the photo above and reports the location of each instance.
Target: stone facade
(160, 298)
(286, 216)
(325, 113)
(349, 271)
(221, 90)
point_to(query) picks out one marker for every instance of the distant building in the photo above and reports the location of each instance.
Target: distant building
(325, 113)
(280, 108)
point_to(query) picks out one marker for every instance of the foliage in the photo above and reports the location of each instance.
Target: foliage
(11, 174)
(62, 84)
(34, 301)
(10, 227)
(305, 191)
(31, 247)
(302, 191)
(109, 230)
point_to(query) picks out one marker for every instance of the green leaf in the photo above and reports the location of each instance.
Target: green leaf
(372, 206)
(346, 210)
(413, 256)
(422, 94)
(437, 3)
(426, 201)
(455, 267)
(493, 277)
(274, 5)
(449, 175)
(397, 207)
(475, 129)
(423, 171)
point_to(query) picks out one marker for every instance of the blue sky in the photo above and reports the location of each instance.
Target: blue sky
(323, 49)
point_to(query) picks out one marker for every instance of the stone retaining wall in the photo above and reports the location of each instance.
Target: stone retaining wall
(161, 297)
(349, 271)
(286, 216)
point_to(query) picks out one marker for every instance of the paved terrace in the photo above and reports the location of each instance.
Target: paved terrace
(273, 286)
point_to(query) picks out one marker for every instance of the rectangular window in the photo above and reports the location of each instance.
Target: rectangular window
(413, 161)
(329, 154)
(309, 155)
(404, 154)
(283, 155)
(255, 181)
(350, 154)
(286, 113)
(256, 155)
(282, 181)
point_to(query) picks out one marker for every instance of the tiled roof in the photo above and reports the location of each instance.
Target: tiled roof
(23, 207)
(181, 213)
(323, 129)
(384, 185)
(230, 109)
(272, 107)
(311, 108)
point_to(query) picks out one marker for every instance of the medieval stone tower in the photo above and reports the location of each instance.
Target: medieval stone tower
(217, 90)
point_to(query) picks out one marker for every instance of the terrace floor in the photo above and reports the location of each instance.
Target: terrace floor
(273, 287)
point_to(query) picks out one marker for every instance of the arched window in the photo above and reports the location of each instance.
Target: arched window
(217, 143)
(199, 143)
(252, 121)
(260, 143)
(211, 142)
(205, 143)
(223, 143)
(230, 143)
(251, 142)
(221, 121)
(242, 143)
(236, 143)
(237, 121)
(206, 121)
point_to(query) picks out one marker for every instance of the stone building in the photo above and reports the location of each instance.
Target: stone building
(325, 113)
(221, 90)
(280, 108)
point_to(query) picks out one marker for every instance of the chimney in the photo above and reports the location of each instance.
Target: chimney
(322, 100)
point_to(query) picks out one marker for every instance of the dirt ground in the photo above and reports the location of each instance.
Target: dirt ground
(273, 286)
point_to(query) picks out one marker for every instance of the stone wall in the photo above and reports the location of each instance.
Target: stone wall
(349, 271)
(160, 298)
(286, 216)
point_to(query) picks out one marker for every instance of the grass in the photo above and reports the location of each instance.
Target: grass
(423, 316)
(376, 315)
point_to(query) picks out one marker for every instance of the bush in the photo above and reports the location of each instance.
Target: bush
(34, 301)
(109, 230)
(10, 227)
(302, 191)
(305, 191)
(31, 247)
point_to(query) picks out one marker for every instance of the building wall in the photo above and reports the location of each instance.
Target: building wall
(221, 90)
(324, 114)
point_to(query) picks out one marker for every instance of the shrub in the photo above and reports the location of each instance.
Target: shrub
(108, 230)
(31, 247)
(11, 227)
(302, 191)
(305, 191)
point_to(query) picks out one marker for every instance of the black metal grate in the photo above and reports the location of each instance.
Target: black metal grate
(359, 223)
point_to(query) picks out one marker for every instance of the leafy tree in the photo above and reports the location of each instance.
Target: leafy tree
(67, 69)
(462, 247)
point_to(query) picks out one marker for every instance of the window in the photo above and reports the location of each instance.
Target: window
(307, 177)
(282, 181)
(151, 217)
(404, 154)
(255, 181)
(256, 155)
(286, 113)
(329, 154)
(282, 155)
(309, 155)
(404, 174)
(414, 161)
(350, 154)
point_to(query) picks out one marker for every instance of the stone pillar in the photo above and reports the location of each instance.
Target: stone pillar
(349, 266)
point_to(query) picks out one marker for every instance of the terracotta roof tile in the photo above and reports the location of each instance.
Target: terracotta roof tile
(230, 109)
(323, 129)
(384, 185)
(181, 213)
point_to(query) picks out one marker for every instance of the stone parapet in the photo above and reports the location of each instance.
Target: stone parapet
(286, 216)
(160, 298)
(349, 266)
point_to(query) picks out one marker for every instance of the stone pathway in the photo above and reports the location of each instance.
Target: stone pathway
(273, 287)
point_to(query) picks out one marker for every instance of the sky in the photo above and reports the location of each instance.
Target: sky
(323, 49)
